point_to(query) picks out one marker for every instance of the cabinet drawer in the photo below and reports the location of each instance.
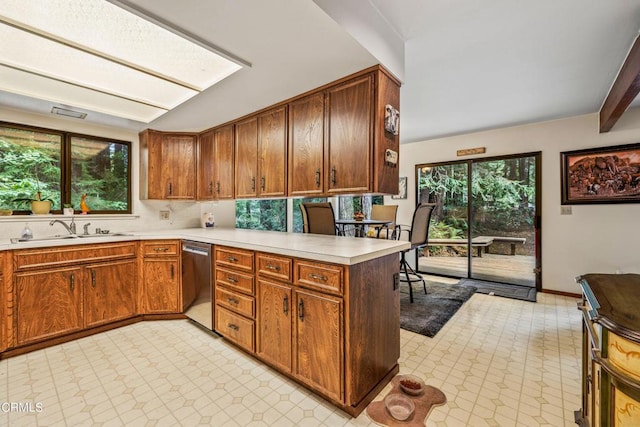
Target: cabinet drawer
(152, 248)
(624, 354)
(324, 277)
(236, 328)
(235, 258)
(274, 266)
(236, 302)
(234, 280)
(71, 255)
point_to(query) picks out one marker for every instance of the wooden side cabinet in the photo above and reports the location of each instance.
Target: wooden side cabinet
(610, 350)
(161, 273)
(110, 292)
(167, 165)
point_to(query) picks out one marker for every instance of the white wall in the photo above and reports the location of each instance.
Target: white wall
(595, 238)
(146, 212)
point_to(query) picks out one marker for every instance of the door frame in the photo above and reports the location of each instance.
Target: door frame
(537, 223)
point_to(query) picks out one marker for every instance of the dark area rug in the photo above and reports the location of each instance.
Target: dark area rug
(430, 312)
(524, 293)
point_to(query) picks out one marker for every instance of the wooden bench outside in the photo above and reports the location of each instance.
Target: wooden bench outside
(480, 242)
(477, 242)
(512, 240)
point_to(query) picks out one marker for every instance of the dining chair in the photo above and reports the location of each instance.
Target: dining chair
(384, 213)
(318, 218)
(418, 237)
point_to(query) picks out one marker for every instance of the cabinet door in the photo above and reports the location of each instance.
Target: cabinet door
(306, 146)
(274, 324)
(109, 292)
(273, 152)
(160, 285)
(179, 166)
(349, 116)
(49, 303)
(206, 167)
(223, 165)
(318, 343)
(246, 158)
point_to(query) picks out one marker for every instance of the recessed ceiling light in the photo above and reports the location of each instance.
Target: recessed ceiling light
(104, 56)
(68, 113)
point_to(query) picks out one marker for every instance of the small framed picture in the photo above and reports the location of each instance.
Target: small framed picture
(391, 119)
(402, 188)
(601, 175)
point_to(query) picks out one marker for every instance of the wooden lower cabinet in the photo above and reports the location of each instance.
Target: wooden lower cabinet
(275, 324)
(161, 285)
(318, 342)
(49, 303)
(109, 292)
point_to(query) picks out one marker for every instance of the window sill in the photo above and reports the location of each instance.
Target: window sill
(49, 217)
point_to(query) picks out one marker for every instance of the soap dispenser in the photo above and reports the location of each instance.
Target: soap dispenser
(26, 233)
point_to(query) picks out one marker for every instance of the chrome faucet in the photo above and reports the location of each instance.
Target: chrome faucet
(71, 228)
(86, 228)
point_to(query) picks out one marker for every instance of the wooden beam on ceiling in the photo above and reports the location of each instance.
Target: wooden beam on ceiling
(624, 90)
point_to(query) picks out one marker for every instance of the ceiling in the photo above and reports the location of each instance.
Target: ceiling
(465, 65)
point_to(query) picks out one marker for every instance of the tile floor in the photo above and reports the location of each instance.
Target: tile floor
(500, 362)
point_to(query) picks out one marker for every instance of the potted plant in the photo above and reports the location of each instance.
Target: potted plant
(68, 209)
(39, 205)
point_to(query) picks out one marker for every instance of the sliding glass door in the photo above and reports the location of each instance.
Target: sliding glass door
(484, 226)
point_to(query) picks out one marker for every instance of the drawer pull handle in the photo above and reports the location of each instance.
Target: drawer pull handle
(253, 183)
(160, 249)
(173, 272)
(72, 282)
(273, 267)
(333, 175)
(318, 277)
(262, 183)
(218, 187)
(93, 278)
(318, 178)
(233, 327)
(232, 259)
(232, 280)
(170, 189)
(232, 301)
(285, 304)
(301, 309)
(210, 187)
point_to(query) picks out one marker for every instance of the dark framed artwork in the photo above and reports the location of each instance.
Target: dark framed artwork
(601, 175)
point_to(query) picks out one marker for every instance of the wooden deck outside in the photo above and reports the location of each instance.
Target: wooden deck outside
(515, 269)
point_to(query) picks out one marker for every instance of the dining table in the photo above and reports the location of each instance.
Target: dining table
(359, 225)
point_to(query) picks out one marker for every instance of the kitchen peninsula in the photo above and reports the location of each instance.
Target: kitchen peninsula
(323, 310)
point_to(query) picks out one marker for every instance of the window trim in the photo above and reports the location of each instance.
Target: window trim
(65, 166)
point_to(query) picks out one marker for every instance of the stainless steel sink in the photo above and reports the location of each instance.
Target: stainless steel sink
(84, 236)
(43, 239)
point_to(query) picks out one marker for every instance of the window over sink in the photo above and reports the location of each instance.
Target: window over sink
(63, 166)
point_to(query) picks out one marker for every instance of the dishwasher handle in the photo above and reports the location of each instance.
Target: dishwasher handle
(195, 250)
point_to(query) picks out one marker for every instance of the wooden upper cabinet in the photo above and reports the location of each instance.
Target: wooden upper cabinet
(246, 158)
(272, 143)
(223, 162)
(349, 122)
(168, 165)
(261, 153)
(306, 146)
(205, 183)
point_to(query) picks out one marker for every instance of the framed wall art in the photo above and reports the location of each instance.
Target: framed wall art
(402, 188)
(601, 175)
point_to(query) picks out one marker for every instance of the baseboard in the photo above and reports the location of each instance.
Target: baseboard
(564, 294)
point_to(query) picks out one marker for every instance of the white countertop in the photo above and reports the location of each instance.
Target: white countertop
(335, 249)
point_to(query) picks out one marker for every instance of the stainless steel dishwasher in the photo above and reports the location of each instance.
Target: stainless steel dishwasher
(197, 288)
